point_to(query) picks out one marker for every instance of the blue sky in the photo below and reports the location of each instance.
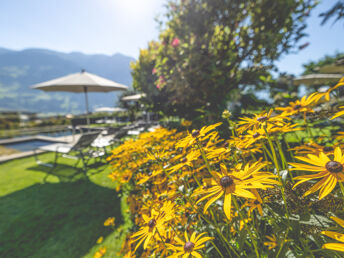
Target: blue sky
(125, 26)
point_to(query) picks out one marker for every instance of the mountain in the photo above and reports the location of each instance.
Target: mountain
(21, 69)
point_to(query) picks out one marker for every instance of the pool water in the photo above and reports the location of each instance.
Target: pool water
(28, 145)
(58, 134)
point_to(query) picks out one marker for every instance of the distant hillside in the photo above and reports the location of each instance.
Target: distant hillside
(21, 69)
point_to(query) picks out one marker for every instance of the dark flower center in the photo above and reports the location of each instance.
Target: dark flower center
(256, 202)
(256, 135)
(184, 160)
(328, 148)
(195, 133)
(188, 247)
(296, 107)
(262, 119)
(334, 167)
(152, 223)
(226, 181)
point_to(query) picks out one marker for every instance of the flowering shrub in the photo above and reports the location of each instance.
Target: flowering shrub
(264, 191)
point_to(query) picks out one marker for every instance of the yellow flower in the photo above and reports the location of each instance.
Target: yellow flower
(331, 171)
(339, 113)
(299, 106)
(186, 123)
(255, 204)
(258, 120)
(272, 243)
(155, 223)
(337, 236)
(201, 135)
(129, 255)
(189, 246)
(109, 222)
(235, 183)
(100, 240)
(100, 253)
(313, 148)
(185, 160)
(327, 93)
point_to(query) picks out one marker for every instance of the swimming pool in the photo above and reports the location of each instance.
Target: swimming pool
(28, 145)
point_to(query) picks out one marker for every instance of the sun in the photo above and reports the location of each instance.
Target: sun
(132, 7)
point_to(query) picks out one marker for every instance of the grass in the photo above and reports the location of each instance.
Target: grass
(58, 213)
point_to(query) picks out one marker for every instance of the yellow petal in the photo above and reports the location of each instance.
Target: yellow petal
(186, 255)
(212, 200)
(339, 221)
(244, 193)
(147, 241)
(203, 240)
(337, 154)
(334, 246)
(316, 187)
(334, 235)
(214, 192)
(329, 184)
(139, 243)
(340, 113)
(186, 236)
(324, 157)
(197, 255)
(227, 205)
(179, 241)
(192, 239)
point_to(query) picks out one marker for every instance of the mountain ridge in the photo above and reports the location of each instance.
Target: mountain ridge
(20, 69)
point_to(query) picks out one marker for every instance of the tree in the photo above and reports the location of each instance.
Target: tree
(145, 77)
(336, 11)
(211, 50)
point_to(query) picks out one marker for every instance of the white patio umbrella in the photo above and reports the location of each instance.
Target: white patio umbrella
(317, 79)
(80, 82)
(110, 109)
(135, 97)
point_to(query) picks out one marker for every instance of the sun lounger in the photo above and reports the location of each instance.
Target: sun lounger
(80, 150)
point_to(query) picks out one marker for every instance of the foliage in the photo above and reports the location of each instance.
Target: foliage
(144, 78)
(282, 90)
(336, 12)
(252, 194)
(210, 51)
(313, 66)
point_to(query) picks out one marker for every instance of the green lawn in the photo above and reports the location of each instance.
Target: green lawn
(58, 214)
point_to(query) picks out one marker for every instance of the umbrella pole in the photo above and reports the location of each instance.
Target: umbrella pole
(87, 112)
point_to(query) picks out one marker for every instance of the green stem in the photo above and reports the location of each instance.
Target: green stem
(341, 187)
(284, 162)
(267, 152)
(224, 240)
(232, 127)
(272, 151)
(288, 146)
(307, 126)
(205, 158)
(248, 230)
(162, 240)
(283, 241)
(218, 251)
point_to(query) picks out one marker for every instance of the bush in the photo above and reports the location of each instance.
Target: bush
(272, 189)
